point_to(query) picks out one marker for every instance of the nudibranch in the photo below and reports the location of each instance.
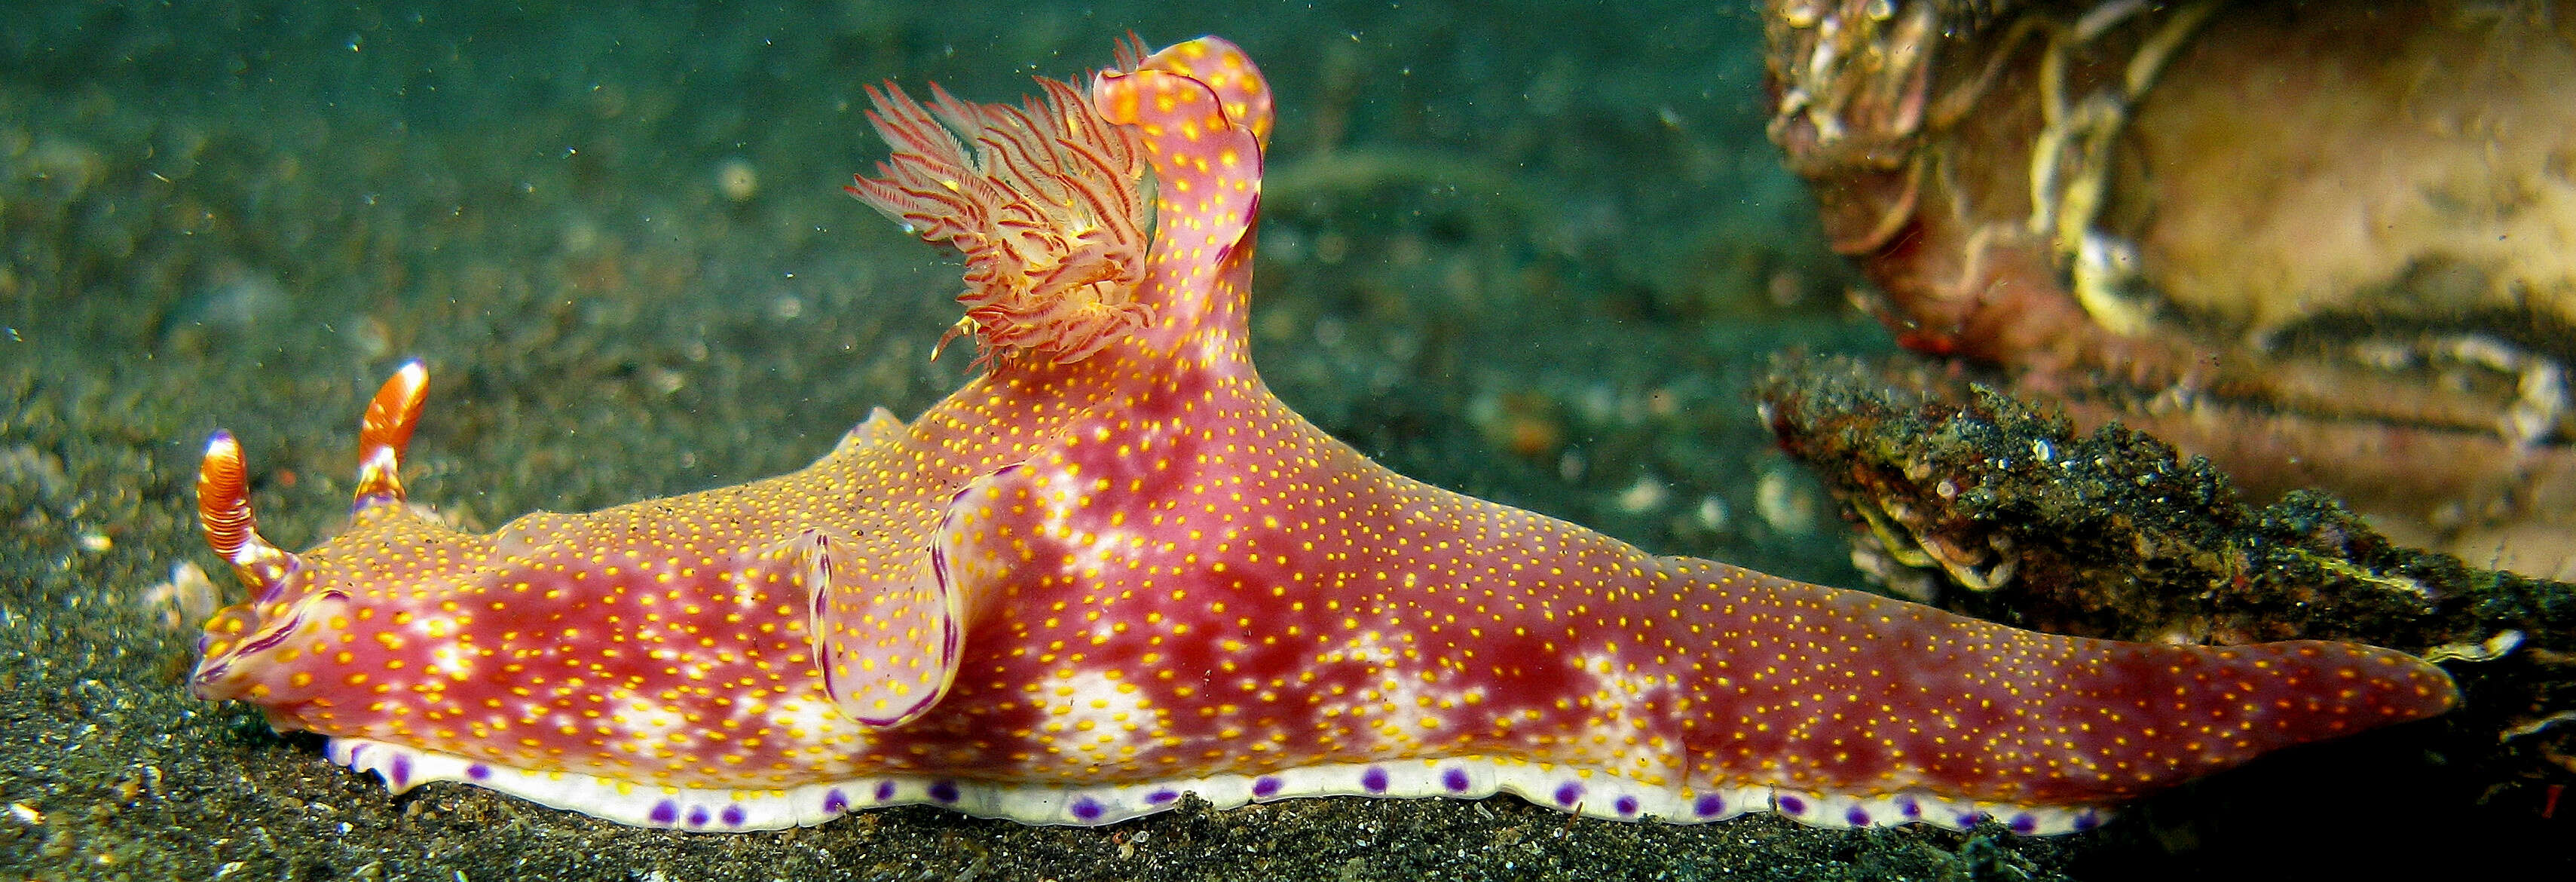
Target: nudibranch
(1114, 568)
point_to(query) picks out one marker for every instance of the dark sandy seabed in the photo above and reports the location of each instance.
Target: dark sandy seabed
(1539, 255)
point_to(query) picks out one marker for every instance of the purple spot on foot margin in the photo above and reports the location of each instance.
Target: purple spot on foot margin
(1970, 819)
(733, 816)
(1373, 780)
(2088, 820)
(944, 791)
(885, 791)
(1087, 809)
(2023, 823)
(478, 771)
(665, 812)
(1567, 793)
(356, 750)
(1455, 780)
(1791, 805)
(1162, 796)
(402, 771)
(1711, 804)
(834, 803)
(1856, 816)
(1627, 805)
(1909, 807)
(1264, 786)
(697, 816)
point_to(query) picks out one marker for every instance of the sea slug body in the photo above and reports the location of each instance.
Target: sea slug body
(1114, 569)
